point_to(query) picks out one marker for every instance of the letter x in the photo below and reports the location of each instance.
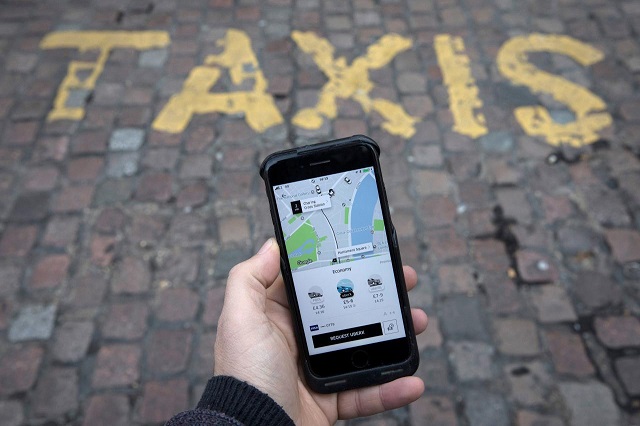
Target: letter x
(353, 82)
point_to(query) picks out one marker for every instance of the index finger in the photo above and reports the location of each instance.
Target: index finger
(410, 276)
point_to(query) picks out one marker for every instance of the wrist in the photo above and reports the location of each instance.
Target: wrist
(243, 402)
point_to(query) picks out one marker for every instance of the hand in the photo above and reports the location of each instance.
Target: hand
(255, 343)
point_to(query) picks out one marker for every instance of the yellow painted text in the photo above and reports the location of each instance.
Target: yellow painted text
(345, 81)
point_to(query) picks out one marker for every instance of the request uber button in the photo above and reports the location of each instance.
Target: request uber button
(348, 335)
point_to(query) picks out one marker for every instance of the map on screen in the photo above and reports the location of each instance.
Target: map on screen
(331, 220)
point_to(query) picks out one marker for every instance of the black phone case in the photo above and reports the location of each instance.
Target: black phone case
(355, 379)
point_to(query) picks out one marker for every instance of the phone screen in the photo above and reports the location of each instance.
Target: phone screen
(340, 260)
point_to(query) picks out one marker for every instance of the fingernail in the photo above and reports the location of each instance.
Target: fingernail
(266, 246)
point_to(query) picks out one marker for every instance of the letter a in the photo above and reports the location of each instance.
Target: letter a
(259, 109)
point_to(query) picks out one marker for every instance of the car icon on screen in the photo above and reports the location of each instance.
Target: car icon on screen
(346, 179)
(373, 282)
(318, 189)
(315, 295)
(345, 288)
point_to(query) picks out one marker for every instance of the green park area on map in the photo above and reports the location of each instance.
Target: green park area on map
(305, 243)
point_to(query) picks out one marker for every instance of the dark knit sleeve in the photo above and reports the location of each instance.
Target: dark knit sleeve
(228, 401)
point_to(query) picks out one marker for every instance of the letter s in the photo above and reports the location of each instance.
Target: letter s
(590, 110)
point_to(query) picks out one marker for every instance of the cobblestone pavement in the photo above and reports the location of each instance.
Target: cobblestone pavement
(120, 216)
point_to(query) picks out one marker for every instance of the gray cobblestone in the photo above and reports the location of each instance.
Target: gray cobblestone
(590, 404)
(11, 412)
(485, 409)
(552, 304)
(472, 360)
(77, 98)
(71, 341)
(629, 372)
(562, 116)
(113, 191)
(33, 323)
(127, 139)
(497, 142)
(155, 58)
(517, 336)
(513, 96)
(122, 164)
(530, 383)
(461, 319)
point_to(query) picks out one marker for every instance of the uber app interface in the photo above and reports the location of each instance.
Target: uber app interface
(339, 256)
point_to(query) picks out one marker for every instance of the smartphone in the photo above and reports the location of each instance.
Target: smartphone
(341, 264)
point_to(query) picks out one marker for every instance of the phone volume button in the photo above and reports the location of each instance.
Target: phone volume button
(283, 264)
(394, 236)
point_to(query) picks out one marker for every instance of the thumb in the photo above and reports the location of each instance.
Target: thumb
(249, 280)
